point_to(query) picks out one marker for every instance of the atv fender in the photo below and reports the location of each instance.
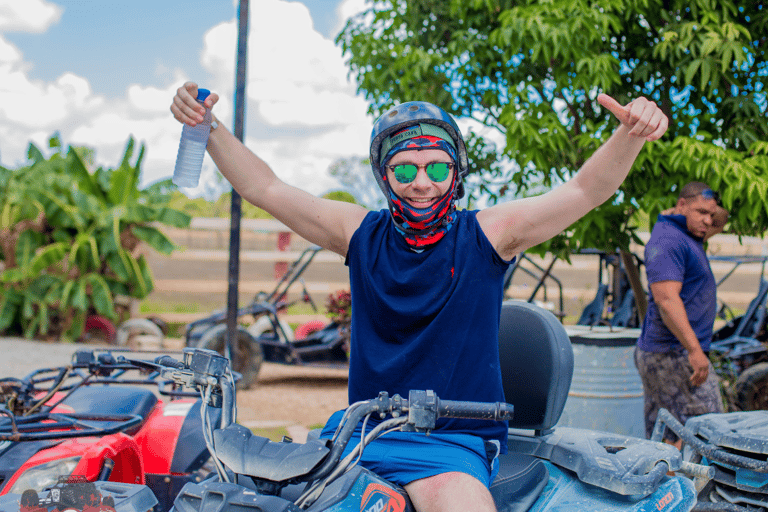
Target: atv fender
(172, 438)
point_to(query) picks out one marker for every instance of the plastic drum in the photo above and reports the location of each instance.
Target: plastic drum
(606, 392)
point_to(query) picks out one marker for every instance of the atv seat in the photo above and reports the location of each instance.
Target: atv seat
(113, 399)
(537, 366)
(520, 480)
(623, 315)
(593, 312)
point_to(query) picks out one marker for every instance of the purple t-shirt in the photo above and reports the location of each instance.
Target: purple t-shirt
(674, 254)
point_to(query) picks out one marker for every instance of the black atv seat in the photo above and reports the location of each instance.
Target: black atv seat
(247, 454)
(536, 364)
(113, 399)
(520, 480)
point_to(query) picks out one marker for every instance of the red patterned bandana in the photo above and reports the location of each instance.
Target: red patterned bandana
(422, 227)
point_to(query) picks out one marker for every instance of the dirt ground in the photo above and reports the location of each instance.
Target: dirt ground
(292, 395)
(284, 397)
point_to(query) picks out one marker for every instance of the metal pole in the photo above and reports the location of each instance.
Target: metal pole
(234, 226)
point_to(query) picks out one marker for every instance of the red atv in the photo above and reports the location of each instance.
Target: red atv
(103, 417)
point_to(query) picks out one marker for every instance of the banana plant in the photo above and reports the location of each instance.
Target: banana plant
(71, 239)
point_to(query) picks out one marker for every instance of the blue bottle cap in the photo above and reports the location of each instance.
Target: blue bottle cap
(202, 94)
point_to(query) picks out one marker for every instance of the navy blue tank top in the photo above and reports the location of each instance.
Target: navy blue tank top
(427, 320)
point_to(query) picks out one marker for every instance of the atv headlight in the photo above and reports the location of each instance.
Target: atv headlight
(45, 475)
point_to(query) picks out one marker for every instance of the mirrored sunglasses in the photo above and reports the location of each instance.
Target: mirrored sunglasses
(406, 173)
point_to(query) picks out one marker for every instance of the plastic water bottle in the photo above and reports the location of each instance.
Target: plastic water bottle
(189, 161)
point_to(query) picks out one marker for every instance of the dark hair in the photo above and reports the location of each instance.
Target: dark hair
(697, 188)
(692, 189)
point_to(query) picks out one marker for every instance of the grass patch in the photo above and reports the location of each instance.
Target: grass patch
(273, 434)
(149, 306)
(302, 308)
(176, 330)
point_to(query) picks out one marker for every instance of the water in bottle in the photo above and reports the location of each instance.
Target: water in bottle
(189, 161)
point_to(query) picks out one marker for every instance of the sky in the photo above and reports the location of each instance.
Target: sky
(99, 71)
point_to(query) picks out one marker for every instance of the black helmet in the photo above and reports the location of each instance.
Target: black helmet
(415, 113)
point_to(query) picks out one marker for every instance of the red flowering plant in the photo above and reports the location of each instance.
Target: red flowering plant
(339, 306)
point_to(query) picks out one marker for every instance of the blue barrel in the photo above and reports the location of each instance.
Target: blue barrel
(606, 392)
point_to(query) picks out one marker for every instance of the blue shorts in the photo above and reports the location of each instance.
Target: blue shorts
(402, 457)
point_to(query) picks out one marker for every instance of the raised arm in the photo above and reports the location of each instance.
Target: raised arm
(518, 225)
(329, 224)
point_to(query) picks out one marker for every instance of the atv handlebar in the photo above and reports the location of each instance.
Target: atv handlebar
(423, 408)
(498, 411)
(202, 367)
(169, 362)
(209, 372)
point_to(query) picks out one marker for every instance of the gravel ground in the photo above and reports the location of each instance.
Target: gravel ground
(293, 397)
(21, 356)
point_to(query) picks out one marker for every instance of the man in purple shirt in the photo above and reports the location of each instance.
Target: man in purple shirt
(672, 351)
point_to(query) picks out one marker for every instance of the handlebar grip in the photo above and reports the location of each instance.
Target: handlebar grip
(697, 470)
(169, 361)
(498, 411)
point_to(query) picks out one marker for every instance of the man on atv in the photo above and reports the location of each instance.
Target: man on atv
(427, 278)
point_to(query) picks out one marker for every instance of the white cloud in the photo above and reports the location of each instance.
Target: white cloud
(347, 9)
(297, 81)
(302, 112)
(9, 54)
(28, 15)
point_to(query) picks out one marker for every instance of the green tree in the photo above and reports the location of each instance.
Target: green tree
(69, 239)
(354, 175)
(532, 69)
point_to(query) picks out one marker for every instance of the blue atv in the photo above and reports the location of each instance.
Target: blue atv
(546, 467)
(735, 446)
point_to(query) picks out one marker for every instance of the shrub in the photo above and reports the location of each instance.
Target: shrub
(70, 239)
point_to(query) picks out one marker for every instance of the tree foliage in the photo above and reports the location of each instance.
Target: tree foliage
(70, 239)
(532, 69)
(354, 175)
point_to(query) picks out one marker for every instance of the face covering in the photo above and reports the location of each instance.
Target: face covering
(422, 227)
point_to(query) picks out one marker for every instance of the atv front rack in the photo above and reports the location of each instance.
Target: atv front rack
(625, 465)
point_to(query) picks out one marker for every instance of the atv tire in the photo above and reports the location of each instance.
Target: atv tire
(752, 388)
(248, 354)
(137, 332)
(263, 327)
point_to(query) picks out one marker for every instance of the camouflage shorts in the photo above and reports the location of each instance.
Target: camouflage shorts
(666, 383)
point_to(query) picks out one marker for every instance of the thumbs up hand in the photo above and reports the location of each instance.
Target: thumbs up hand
(643, 117)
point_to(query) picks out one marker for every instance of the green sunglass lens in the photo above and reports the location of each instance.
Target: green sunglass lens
(405, 173)
(438, 171)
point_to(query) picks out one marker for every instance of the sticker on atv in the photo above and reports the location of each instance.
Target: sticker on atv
(177, 409)
(71, 494)
(379, 498)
